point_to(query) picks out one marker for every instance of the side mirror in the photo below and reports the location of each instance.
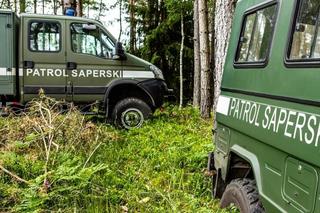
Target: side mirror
(119, 52)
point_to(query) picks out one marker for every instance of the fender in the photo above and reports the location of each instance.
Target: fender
(119, 82)
(251, 159)
(254, 162)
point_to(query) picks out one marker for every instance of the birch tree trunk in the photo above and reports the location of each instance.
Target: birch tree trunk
(181, 59)
(43, 5)
(120, 19)
(206, 96)
(197, 67)
(223, 20)
(15, 5)
(100, 9)
(55, 7)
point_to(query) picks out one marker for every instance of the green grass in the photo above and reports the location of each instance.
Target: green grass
(97, 168)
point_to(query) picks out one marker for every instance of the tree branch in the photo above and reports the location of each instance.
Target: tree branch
(13, 175)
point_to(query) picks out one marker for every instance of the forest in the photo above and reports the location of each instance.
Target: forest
(182, 38)
(73, 163)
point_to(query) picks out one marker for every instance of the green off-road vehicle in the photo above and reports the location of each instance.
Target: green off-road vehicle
(77, 60)
(267, 139)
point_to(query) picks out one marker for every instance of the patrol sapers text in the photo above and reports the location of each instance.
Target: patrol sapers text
(74, 73)
(299, 125)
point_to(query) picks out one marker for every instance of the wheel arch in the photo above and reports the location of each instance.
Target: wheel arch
(237, 151)
(120, 89)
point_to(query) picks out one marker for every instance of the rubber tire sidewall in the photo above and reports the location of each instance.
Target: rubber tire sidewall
(237, 194)
(128, 103)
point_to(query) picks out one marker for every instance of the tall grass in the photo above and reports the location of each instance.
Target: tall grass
(68, 163)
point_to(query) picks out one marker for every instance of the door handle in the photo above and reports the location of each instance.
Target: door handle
(28, 64)
(71, 66)
(69, 88)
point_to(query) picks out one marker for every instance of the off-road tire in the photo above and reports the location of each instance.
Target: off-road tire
(136, 107)
(243, 193)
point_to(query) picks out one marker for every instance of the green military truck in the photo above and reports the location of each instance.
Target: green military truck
(78, 60)
(267, 136)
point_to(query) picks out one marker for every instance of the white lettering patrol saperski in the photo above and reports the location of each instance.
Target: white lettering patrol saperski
(295, 124)
(74, 73)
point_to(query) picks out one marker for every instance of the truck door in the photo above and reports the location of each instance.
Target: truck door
(89, 61)
(7, 54)
(43, 58)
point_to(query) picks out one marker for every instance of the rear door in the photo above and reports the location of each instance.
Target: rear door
(7, 66)
(44, 58)
(89, 60)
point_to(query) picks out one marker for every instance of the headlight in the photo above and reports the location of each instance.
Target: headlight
(157, 72)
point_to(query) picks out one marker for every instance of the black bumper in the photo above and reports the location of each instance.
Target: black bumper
(157, 89)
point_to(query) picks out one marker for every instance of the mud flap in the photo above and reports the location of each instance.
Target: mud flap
(218, 185)
(211, 162)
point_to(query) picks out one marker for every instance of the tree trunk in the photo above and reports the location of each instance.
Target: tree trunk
(62, 5)
(34, 6)
(43, 5)
(120, 19)
(133, 24)
(80, 8)
(206, 96)
(100, 9)
(15, 5)
(55, 7)
(223, 20)
(22, 6)
(181, 59)
(197, 67)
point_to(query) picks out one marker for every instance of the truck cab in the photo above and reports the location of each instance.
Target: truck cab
(77, 60)
(267, 146)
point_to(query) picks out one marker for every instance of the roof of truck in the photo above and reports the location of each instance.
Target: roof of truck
(48, 16)
(58, 17)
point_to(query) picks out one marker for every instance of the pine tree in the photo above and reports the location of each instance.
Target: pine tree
(206, 81)
(197, 67)
(223, 20)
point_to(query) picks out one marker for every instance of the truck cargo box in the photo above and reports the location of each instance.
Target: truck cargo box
(8, 53)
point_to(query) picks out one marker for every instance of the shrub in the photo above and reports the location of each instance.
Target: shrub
(54, 159)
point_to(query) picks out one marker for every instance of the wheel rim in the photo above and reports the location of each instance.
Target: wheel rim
(132, 118)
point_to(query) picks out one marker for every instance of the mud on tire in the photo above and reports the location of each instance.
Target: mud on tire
(243, 193)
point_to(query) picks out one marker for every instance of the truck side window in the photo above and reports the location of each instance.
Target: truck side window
(44, 36)
(256, 36)
(91, 40)
(305, 42)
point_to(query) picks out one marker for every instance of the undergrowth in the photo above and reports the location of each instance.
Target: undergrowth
(67, 163)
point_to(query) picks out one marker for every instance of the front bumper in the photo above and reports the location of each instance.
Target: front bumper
(157, 89)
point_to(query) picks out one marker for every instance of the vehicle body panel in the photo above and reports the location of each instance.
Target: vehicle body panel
(64, 73)
(8, 52)
(270, 117)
